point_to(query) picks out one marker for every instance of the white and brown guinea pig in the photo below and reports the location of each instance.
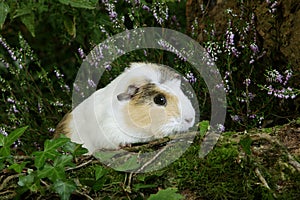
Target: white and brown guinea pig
(143, 103)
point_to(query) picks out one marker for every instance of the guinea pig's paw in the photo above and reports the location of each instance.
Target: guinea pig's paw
(126, 145)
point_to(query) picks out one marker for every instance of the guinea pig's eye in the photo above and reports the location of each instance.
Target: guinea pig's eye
(160, 99)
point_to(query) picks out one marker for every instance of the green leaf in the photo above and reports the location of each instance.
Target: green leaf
(130, 164)
(4, 151)
(203, 125)
(2, 140)
(23, 11)
(13, 136)
(70, 26)
(64, 161)
(4, 10)
(99, 172)
(28, 21)
(64, 189)
(169, 193)
(26, 181)
(52, 173)
(98, 185)
(51, 145)
(74, 149)
(40, 159)
(50, 151)
(87, 4)
(18, 167)
(246, 144)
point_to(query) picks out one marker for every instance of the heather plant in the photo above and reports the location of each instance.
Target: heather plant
(254, 86)
(29, 93)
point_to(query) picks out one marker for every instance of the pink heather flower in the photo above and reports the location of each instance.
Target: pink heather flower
(81, 53)
(220, 127)
(10, 100)
(235, 118)
(254, 48)
(247, 82)
(3, 132)
(191, 78)
(91, 83)
(146, 8)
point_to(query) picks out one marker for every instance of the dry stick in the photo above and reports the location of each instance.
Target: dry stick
(6, 180)
(294, 163)
(8, 196)
(46, 184)
(151, 160)
(81, 165)
(261, 178)
(269, 138)
(83, 194)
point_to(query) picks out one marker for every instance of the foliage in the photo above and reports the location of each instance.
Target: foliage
(49, 165)
(43, 43)
(7, 141)
(169, 193)
(29, 93)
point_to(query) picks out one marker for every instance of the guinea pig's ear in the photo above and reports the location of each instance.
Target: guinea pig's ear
(177, 78)
(131, 91)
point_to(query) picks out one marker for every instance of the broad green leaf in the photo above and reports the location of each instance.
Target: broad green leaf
(18, 167)
(4, 10)
(28, 21)
(130, 164)
(23, 11)
(50, 151)
(53, 173)
(26, 180)
(98, 185)
(63, 161)
(203, 125)
(54, 144)
(2, 140)
(13, 136)
(87, 4)
(70, 26)
(99, 172)
(64, 189)
(74, 149)
(104, 156)
(40, 159)
(169, 193)
(4, 151)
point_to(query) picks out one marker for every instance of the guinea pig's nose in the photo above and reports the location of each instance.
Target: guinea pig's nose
(189, 120)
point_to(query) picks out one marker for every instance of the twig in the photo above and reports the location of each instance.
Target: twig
(261, 178)
(293, 162)
(46, 184)
(83, 194)
(4, 183)
(151, 160)
(4, 194)
(81, 165)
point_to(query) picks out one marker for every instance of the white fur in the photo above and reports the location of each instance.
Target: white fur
(98, 122)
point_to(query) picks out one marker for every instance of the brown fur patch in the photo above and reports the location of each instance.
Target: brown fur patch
(172, 108)
(62, 127)
(144, 113)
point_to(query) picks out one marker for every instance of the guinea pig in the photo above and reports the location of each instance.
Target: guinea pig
(145, 102)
